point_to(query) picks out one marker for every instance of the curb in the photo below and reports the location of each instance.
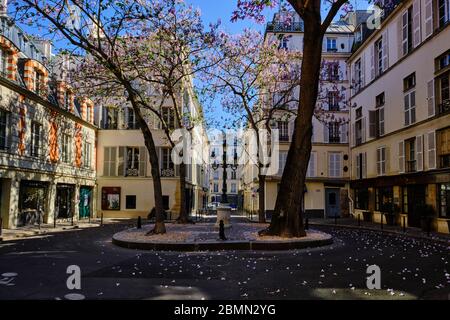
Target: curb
(391, 232)
(217, 246)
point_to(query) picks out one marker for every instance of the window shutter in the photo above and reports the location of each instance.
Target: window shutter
(407, 112)
(400, 37)
(372, 62)
(112, 161)
(416, 23)
(363, 71)
(432, 150)
(385, 50)
(404, 34)
(419, 153)
(357, 166)
(372, 124)
(363, 129)
(344, 132)
(364, 165)
(401, 157)
(386, 160)
(290, 126)
(326, 133)
(353, 134)
(379, 161)
(106, 160)
(121, 161)
(312, 165)
(142, 161)
(430, 99)
(428, 18)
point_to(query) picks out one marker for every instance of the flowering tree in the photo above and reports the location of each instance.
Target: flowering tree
(287, 217)
(130, 46)
(254, 80)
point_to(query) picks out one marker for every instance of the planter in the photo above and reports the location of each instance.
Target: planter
(367, 216)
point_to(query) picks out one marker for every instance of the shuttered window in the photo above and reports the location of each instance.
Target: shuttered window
(334, 164)
(109, 161)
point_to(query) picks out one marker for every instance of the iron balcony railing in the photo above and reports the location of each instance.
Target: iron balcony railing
(444, 107)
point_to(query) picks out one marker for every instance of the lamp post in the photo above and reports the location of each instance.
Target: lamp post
(224, 210)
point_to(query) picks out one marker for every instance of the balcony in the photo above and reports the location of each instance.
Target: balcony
(333, 107)
(334, 139)
(132, 172)
(285, 27)
(284, 138)
(168, 173)
(444, 107)
(411, 166)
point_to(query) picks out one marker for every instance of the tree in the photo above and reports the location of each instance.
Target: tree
(117, 39)
(287, 219)
(250, 71)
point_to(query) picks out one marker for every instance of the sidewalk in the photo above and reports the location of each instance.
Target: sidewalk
(35, 230)
(353, 223)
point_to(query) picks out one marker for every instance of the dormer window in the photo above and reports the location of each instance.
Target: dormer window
(37, 80)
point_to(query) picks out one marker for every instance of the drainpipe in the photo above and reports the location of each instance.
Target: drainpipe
(351, 201)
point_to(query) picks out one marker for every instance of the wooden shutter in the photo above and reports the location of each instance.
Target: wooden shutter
(385, 46)
(312, 165)
(364, 165)
(344, 132)
(419, 153)
(379, 156)
(372, 124)
(357, 166)
(142, 161)
(363, 71)
(121, 161)
(401, 157)
(416, 23)
(372, 62)
(430, 98)
(363, 129)
(428, 18)
(106, 160)
(353, 128)
(404, 33)
(432, 150)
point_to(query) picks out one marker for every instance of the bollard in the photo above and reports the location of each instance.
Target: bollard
(306, 224)
(359, 220)
(139, 223)
(222, 230)
(71, 222)
(101, 219)
(404, 224)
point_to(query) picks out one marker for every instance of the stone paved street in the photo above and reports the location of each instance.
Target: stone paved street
(35, 268)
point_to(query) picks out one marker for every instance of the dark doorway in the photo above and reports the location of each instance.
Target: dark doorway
(332, 202)
(416, 201)
(32, 202)
(64, 201)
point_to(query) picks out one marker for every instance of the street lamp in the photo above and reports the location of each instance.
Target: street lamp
(224, 210)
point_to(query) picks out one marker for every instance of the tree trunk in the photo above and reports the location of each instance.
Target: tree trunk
(261, 197)
(287, 219)
(184, 214)
(154, 162)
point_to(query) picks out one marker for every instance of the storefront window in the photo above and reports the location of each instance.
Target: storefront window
(384, 199)
(444, 200)
(111, 198)
(405, 199)
(362, 199)
(32, 200)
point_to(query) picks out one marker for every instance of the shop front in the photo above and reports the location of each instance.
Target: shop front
(86, 201)
(64, 205)
(32, 203)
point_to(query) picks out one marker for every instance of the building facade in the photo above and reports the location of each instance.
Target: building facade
(400, 122)
(326, 193)
(47, 137)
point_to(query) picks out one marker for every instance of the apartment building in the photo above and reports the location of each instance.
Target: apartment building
(47, 137)
(400, 119)
(124, 172)
(326, 193)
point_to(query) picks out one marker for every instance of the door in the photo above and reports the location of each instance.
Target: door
(416, 200)
(85, 202)
(332, 203)
(64, 201)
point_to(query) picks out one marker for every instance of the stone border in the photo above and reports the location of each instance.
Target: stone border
(266, 245)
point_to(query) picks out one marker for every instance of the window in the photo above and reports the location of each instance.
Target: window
(216, 174)
(359, 127)
(131, 122)
(5, 129)
(284, 43)
(233, 174)
(409, 83)
(111, 198)
(109, 161)
(233, 188)
(384, 199)
(379, 105)
(331, 45)
(168, 115)
(37, 82)
(379, 57)
(444, 200)
(282, 156)
(381, 161)
(405, 199)
(130, 202)
(66, 148)
(334, 164)
(216, 187)
(333, 100)
(3, 62)
(362, 199)
(167, 166)
(444, 93)
(444, 12)
(132, 162)
(407, 26)
(358, 75)
(111, 116)
(410, 152)
(334, 132)
(67, 100)
(87, 154)
(360, 166)
(35, 145)
(443, 144)
(443, 61)
(283, 130)
(333, 71)
(312, 166)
